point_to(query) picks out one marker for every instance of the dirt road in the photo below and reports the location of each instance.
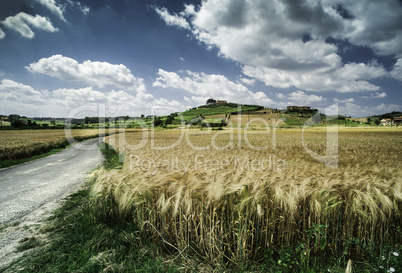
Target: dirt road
(29, 192)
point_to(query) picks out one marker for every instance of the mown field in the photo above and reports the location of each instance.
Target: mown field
(20, 144)
(238, 196)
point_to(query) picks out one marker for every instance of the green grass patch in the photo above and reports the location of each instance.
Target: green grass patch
(28, 243)
(217, 110)
(82, 240)
(112, 158)
(7, 225)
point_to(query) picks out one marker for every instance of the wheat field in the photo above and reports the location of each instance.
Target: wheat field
(19, 144)
(229, 195)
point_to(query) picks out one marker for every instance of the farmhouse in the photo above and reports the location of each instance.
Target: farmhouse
(386, 121)
(220, 102)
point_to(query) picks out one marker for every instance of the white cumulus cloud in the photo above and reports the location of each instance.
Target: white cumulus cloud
(11, 90)
(348, 78)
(95, 73)
(285, 43)
(376, 95)
(397, 70)
(25, 100)
(348, 100)
(300, 97)
(77, 5)
(204, 86)
(355, 110)
(172, 20)
(22, 23)
(53, 7)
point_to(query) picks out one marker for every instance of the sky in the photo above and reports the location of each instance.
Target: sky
(72, 58)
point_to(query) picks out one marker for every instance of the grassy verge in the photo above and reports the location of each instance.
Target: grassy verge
(9, 163)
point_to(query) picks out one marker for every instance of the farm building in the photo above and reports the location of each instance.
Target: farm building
(386, 121)
(289, 108)
(398, 120)
(220, 102)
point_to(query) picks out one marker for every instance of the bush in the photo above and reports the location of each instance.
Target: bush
(17, 123)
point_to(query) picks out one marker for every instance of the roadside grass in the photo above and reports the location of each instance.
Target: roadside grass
(7, 225)
(29, 243)
(82, 242)
(10, 163)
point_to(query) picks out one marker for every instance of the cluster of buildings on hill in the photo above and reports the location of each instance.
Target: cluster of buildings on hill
(294, 107)
(394, 121)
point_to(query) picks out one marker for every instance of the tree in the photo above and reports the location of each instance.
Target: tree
(368, 120)
(11, 118)
(17, 123)
(377, 122)
(157, 121)
(211, 101)
(126, 118)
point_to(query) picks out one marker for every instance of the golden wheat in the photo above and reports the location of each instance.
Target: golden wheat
(228, 199)
(19, 144)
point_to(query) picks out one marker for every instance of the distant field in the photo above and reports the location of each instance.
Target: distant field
(20, 144)
(218, 194)
(254, 120)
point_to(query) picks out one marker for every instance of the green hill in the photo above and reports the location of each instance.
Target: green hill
(219, 109)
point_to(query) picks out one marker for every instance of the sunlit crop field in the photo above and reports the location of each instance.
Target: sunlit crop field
(19, 144)
(229, 195)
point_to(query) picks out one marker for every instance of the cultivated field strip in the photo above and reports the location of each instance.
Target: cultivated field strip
(20, 144)
(232, 200)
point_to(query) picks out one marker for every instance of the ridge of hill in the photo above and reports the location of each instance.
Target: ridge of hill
(221, 109)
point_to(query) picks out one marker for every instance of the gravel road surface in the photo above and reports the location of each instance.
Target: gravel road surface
(30, 192)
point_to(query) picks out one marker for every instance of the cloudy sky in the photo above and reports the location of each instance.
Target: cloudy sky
(128, 57)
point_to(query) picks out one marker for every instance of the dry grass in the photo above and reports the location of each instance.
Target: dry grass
(224, 205)
(19, 144)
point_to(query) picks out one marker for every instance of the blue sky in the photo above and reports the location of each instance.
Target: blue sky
(146, 57)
